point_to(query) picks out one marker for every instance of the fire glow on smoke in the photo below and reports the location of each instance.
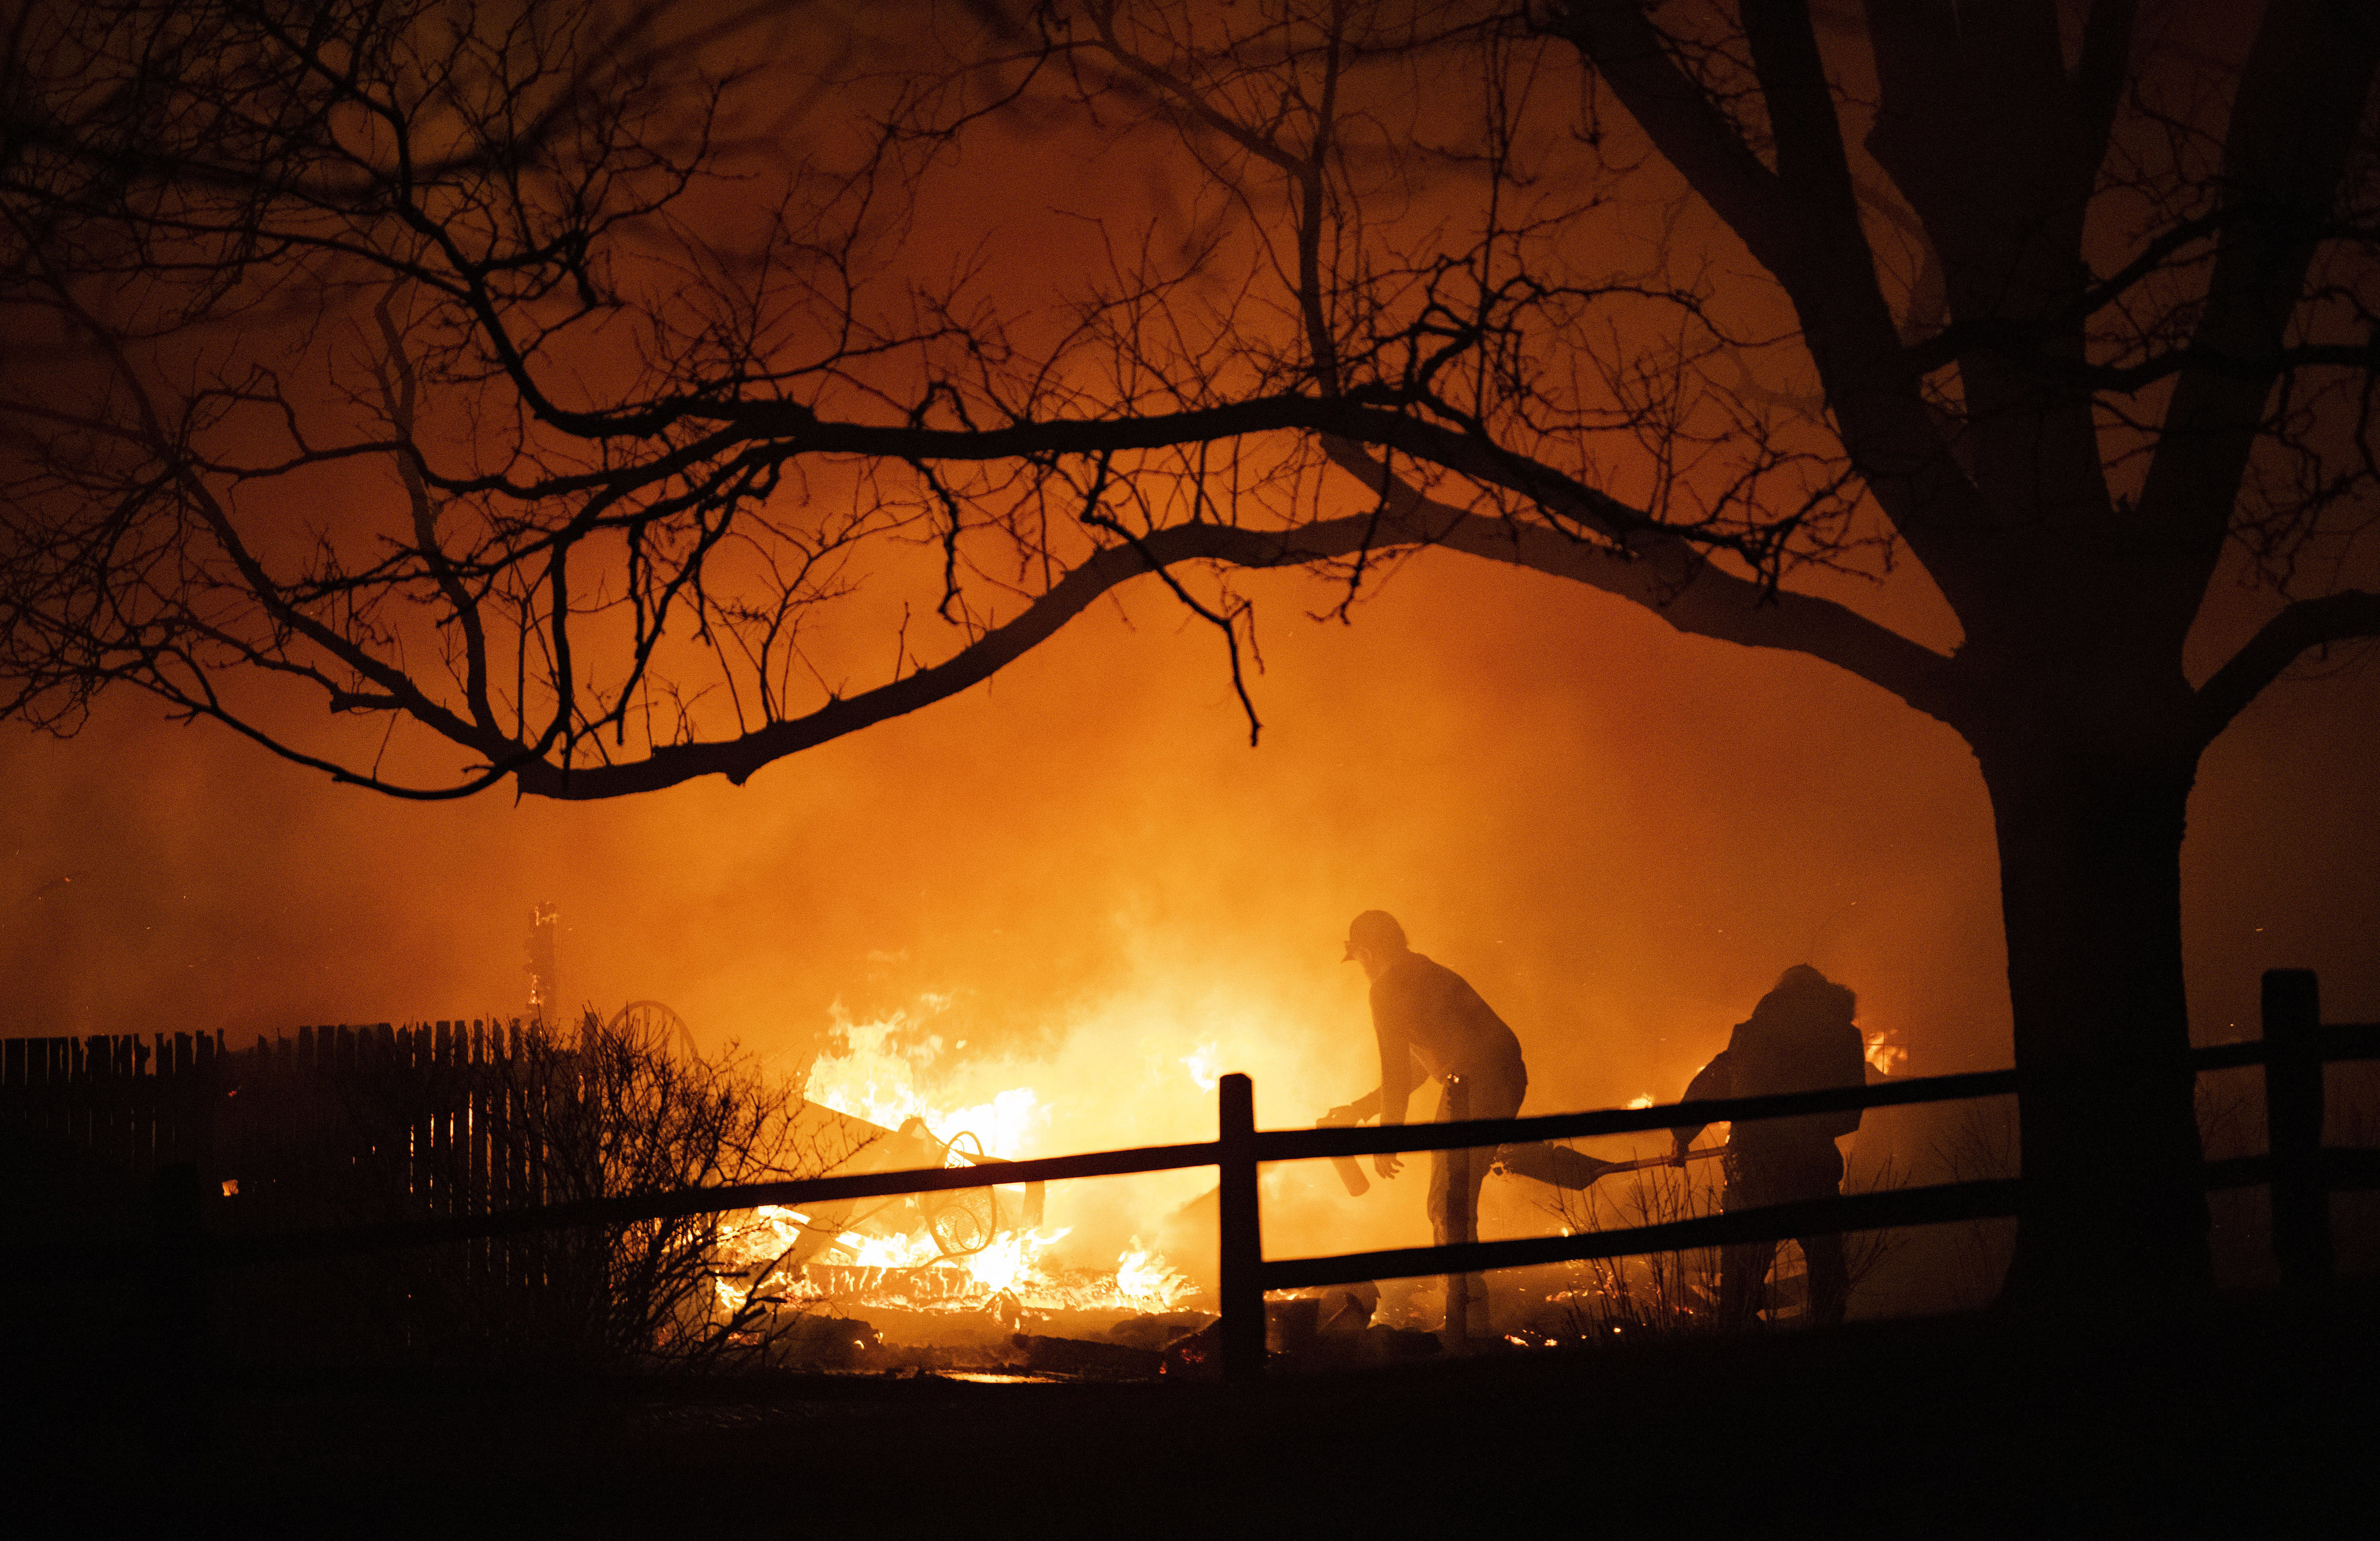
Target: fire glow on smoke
(869, 1080)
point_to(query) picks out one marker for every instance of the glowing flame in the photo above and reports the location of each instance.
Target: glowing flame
(1011, 1263)
(1884, 1054)
(1144, 1279)
(751, 1244)
(869, 1082)
(889, 1252)
(914, 1268)
(1642, 1100)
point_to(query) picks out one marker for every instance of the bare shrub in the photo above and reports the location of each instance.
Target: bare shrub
(1981, 1145)
(607, 1110)
(1671, 1293)
(1650, 1293)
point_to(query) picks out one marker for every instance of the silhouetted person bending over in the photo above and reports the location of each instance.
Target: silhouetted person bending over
(1432, 1025)
(1800, 1038)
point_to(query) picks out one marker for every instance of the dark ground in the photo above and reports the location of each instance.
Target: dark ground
(2256, 1418)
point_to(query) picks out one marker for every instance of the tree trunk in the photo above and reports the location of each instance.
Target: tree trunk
(2090, 846)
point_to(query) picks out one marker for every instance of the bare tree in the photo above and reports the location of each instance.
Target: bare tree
(549, 382)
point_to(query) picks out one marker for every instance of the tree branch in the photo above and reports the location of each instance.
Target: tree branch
(2102, 70)
(1621, 43)
(1680, 587)
(2300, 628)
(738, 758)
(1352, 417)
(1669, 577)
(2294, 122)
(1802, 225)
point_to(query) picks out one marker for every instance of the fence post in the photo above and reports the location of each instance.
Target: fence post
(1241, 1234)
(2293, 1013)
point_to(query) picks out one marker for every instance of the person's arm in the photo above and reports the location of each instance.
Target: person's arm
(1358, 1111)
(1396, 1073)
(1712, 1080)
(1363, 1107)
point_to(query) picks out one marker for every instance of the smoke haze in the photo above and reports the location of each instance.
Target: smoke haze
(1082, 879)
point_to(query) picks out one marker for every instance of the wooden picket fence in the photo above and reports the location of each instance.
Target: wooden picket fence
(330, 1128)
(460, 1202)
(134, 1106)
(417, 1108)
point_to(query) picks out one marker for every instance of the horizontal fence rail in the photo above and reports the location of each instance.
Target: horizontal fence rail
(2296, 1166)
(1270, 1145)
(2353, 1041)
(630, 1208)
(1992, 1198)
(1296, 1145)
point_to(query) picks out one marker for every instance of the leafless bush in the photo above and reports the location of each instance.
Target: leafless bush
(2230, 1121)
(1651, 1293)
(610, 1110)
(1676, 1292)
(1979, 1146)
(1865, 1251)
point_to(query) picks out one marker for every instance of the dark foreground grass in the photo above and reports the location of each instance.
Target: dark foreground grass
(2260, 1416)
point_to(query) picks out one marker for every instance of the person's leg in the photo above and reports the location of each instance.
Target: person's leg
(1450, 1217)
(1464, 1182)
(1494, 1093)
(1829, 1280)
(1743, 1282)
(1743, 1266)
(1820, 1175)
(1442, 1217)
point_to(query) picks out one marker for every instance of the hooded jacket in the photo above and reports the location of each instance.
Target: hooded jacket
(1799, 1037)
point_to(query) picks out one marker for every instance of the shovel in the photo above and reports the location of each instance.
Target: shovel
(1560, 1167)
(1556, 1166)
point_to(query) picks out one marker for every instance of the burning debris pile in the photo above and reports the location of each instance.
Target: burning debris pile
(944, 1279)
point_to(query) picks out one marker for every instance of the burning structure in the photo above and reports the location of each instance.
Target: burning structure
(957, 1269)
(544, 985)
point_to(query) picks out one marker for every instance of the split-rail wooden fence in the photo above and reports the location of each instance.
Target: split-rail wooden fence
(2301, 1171)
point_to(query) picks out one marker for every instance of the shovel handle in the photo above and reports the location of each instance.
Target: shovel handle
(1642, 1162)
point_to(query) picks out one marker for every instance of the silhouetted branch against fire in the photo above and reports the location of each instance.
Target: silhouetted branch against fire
(643, 443)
